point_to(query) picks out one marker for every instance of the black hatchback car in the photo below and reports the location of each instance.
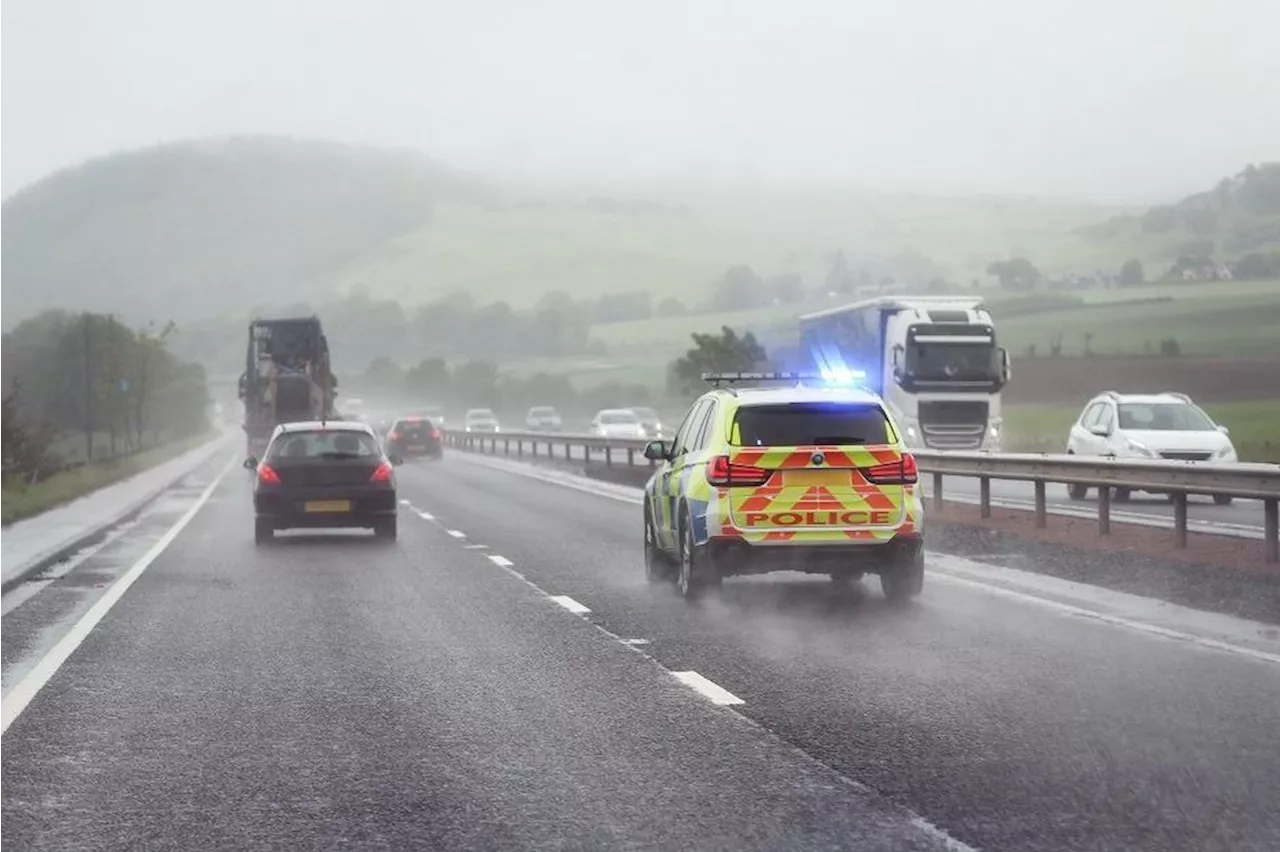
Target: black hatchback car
(414, 436)
(324, 475)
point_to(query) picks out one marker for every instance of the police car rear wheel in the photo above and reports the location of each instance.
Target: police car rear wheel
(693, 577)
(904, 580)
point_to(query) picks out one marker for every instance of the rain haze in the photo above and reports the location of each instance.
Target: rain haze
(671, 425)
(1135, 101)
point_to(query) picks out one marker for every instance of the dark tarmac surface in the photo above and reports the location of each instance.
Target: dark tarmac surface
(332, 692)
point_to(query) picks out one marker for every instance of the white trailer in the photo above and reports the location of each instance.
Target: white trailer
(933, 359)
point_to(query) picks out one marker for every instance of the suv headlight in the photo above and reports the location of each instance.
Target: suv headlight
(1137, 447)
(1227, 453)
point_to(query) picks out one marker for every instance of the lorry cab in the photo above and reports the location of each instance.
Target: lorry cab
(933, 359)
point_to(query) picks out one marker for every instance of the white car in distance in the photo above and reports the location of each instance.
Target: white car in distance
(1147, 426)
(618, 423)
(480, 420)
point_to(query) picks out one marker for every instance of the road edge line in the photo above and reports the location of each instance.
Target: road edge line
(25, 690)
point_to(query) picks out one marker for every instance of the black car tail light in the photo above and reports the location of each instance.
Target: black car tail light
(382, 473)
(267, 475)
(394, 436)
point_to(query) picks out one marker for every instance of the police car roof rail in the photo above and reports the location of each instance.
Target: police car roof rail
(721, 379)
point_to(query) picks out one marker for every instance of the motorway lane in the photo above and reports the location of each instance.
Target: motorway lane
(1006, 727)
(335, 692)
(1247, 513)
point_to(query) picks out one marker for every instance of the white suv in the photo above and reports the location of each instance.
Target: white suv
(1147, 426)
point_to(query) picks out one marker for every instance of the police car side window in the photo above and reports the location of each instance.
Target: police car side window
(704, 428)
(680, 444)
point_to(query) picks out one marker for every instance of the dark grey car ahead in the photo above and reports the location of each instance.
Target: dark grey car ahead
(324, 475)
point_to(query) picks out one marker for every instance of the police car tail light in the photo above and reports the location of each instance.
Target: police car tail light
(902, 472)
(722, 472)
(382, 473)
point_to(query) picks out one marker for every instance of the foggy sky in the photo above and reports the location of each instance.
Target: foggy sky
(1127, 100)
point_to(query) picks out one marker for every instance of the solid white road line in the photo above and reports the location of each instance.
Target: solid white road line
(457, 533)
(713, 691)
(500, 560)
(570, 604)
(26, 689)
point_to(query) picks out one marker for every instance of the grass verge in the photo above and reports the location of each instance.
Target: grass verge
(25, 501)
(1044, 428)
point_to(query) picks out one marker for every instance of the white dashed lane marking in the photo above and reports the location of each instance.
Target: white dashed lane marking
(500, 560)
(457, 533)
(570, 604)
(426, 516)
(713, 691)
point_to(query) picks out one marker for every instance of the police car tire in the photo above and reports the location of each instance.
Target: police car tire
(691, 578)
(905, 580)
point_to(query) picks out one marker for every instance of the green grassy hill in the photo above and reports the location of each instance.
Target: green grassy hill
(197, 229)
(1239, 216)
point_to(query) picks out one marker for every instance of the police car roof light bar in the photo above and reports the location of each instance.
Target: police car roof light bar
(729, 378)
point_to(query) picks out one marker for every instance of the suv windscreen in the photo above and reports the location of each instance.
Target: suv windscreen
(330, 445)
(618, 417)
(1164, 417)
(480, 415)
(808, 423)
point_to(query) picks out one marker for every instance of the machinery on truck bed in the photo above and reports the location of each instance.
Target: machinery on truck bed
(287, 377)
(933, 359)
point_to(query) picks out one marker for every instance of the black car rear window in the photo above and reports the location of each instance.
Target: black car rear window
(413, 428)
(807, 423)
(330, 444)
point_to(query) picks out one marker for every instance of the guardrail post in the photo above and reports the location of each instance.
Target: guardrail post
(608, 456)
(1042, 508)
(984, 496)
(586, 453)
(520, 447)
(1180, 519)
(1104, 509)
(568, 450)
(937, 492)
(506, 447)
(631, 457)
(1271, 529)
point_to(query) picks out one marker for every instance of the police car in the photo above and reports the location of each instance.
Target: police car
(798, 477)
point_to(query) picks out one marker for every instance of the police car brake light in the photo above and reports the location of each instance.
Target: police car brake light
(902, 472)
(723, 473)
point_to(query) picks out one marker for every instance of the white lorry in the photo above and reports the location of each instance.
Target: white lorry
(933, 359)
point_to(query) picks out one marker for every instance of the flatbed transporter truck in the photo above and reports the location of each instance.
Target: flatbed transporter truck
(287, 377)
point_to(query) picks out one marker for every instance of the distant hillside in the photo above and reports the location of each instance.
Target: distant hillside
(195, 229)
(199, 229)
(1239, 216)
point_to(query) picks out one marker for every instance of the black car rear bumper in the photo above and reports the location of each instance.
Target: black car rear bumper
(287, 508)
(404, 451)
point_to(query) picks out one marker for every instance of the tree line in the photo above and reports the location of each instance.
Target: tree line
(480, 384)
(85, 386)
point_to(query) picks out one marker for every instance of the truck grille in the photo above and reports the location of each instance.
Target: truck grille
(1187, 456)
(953, 424)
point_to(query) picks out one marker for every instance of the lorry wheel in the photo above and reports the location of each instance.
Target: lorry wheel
(263, 530)
(1222, 499)
(1121, 495)
(1077, 491)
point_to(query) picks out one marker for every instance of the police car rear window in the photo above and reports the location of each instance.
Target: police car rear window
(807, 423)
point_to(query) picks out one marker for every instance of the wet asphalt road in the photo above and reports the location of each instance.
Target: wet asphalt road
(332, 692)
